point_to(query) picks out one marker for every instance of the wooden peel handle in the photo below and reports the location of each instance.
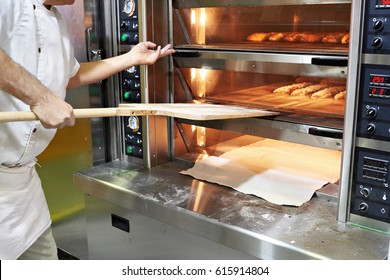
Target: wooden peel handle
(79, 114)
(177, 110)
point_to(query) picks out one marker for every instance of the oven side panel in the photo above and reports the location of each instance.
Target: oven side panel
(145, 140)
(367, 157)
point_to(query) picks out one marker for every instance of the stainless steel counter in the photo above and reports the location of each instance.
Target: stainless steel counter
(243, 222)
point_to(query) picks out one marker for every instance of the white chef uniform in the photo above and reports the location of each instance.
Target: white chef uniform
(37, 39)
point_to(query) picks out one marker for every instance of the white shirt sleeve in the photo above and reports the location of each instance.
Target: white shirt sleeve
(10, 12)
(74, 65)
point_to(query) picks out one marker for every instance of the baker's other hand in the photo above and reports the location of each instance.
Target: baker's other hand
(146, 53)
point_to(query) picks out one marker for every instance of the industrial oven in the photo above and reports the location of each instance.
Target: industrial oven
(321, 64)
(364, 187)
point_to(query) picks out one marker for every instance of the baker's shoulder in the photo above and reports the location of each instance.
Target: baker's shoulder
(12, 13)
(11, 10)
(13, 5)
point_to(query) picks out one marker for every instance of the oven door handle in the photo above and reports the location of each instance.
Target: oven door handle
(326, 132)
(180, 53)
(334, 61)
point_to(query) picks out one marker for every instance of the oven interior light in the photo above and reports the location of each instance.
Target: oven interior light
(203, 16)
(203, 74)
(198, 81)
(198, 25)
(193, 16)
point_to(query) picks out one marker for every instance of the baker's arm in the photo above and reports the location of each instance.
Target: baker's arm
(51, 110)
(142, 54)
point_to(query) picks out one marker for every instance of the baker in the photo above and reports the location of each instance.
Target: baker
(37, 65)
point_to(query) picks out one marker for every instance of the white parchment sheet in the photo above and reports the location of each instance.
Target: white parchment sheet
(280, 172)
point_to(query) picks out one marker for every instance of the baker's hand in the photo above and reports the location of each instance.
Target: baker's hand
(145, 53)
(53, 112)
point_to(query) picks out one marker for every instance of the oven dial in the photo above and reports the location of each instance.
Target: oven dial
(363, 207)
(124, 25)
(133, 123)
(377, 42)
(371, 128)
(371, 112)
(129, 7)
(378, 25)
(365, 192)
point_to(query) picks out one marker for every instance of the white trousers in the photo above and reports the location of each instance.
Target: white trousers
(44, 248)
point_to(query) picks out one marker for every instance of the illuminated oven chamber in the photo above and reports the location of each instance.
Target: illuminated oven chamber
(253, 55)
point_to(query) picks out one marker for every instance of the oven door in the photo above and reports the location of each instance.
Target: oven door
(287, 57)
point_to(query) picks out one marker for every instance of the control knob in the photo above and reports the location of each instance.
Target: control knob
(371, 112)
(363, 207)
(126, 83)
(124, 25)
(377, 42)
(365, 192)
(371, 128)
(378, 25)
(132, 70)
(129, 7)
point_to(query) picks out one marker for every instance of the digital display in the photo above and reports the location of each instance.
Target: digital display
(379, 91)
(379, 79)
(376, 163)
(382, 3)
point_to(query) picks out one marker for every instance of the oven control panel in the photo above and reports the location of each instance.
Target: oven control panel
(131, 93)
(377, 27)
(370, 191)
(128, 22)
(374, 103)
(130, 79)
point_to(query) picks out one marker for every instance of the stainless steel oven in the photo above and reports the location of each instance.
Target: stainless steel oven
(364, 195)
(293, 57)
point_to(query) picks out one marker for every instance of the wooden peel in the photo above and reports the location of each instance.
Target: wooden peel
(192, 111)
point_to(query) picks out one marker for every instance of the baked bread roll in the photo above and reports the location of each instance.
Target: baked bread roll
(311, 38)
(333, 38)
(328, 92)
(277, 37)
(260, 37)
(293, 37)
(340, 95)
(308, 90)
(290, 88)
(345, 39)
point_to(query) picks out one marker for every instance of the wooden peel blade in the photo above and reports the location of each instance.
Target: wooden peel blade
(192, 111)
(195, 111)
